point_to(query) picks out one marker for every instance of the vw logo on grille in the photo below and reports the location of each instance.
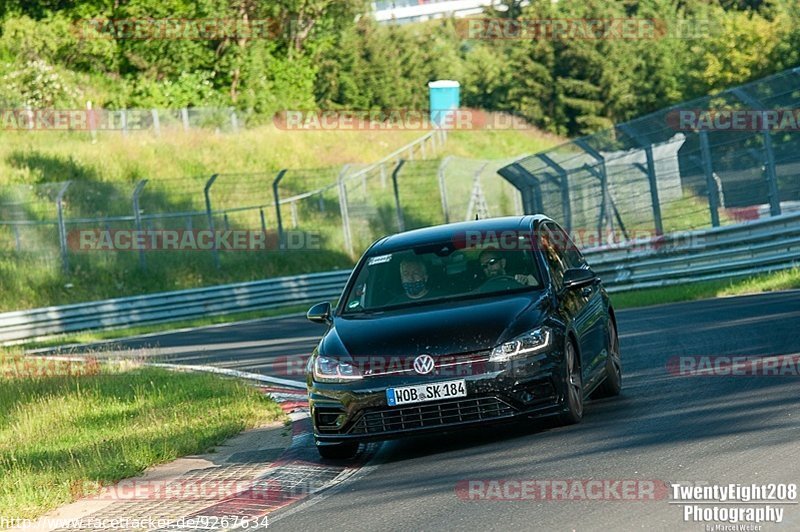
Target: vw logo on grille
(423, 364)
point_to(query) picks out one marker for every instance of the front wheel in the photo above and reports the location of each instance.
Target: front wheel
(573, 394)
(338, 451)
(612, 385)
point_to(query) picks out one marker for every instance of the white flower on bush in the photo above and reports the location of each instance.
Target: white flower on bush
(37, 85)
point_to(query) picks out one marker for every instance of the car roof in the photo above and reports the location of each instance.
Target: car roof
(446, 232)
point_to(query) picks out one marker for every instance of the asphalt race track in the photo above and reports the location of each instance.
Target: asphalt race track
(261, 346)
(664, 428)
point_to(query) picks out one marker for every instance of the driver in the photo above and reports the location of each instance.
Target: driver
(494, 265)
(414, 278)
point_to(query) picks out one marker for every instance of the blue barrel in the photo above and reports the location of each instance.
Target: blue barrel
(445, 96)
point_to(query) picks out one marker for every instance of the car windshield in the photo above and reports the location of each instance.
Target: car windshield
(438, 272)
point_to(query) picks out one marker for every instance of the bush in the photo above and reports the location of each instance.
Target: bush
(38, 85)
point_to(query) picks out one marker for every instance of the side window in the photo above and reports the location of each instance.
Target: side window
(555, 258)
(570, 251)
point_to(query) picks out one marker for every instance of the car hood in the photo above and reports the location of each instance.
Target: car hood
(442, 329)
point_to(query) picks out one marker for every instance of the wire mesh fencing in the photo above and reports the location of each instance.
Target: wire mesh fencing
(116, 227)
(710, 162)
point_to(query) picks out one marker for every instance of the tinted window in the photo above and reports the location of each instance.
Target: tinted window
(435, 273)
(569, 250)
(552, 248)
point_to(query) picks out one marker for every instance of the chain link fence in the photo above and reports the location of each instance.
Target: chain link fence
(124, 121)
(710, 162)
(344, 208)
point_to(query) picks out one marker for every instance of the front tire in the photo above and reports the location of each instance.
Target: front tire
(612, 385)
(339, 451)
(573, 386)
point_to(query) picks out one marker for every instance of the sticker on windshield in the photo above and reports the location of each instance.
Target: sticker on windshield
(354, 304)
(380, 259)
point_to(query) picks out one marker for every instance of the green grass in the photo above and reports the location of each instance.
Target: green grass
(497, 144)
(36, 157)
(65, 425)
(767, 282)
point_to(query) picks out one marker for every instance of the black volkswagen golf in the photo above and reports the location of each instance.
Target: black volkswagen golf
(461, 324)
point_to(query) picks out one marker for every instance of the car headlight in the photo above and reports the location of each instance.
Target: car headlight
(331, 370)
(525, 344)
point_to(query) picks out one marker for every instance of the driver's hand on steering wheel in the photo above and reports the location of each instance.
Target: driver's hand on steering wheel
(527, 280)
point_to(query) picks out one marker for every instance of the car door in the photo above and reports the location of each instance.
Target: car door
(593, 321)
(580, 305)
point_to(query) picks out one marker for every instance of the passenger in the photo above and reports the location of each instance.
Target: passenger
(494, 266)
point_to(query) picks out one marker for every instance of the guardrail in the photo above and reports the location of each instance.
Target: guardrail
(720, 253)
(724, 252)
(171, 306)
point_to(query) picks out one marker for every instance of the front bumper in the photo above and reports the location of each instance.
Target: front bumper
(358, 411)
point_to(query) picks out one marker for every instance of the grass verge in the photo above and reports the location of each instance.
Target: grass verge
(65, 426)
(767, 282)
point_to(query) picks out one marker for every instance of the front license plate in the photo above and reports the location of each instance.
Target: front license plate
(426, 392)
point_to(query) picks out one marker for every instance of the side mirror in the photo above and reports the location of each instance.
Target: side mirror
(320, 313)
(578, 278)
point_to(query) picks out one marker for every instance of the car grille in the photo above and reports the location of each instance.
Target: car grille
(472, 363)
(431, 415)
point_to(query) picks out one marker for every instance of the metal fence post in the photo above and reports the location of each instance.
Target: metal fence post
(234, 122)
(651, 177)
(92, 122)
(62, 229)
(603, 176)
(711, 184)
(772, 175)
(650, 171)
(293, 206)
(138, 217)
(17, 239)
(185, 118)
(401, 224)
(124, 119)
(344, 209)
(156, 122)
(563, 183)
(276, 194)
(477, 202)
(210, 217)
(610, 205)
(443, 188)
(263, 221)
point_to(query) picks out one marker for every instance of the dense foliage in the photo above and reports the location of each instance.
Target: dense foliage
(328, 54)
